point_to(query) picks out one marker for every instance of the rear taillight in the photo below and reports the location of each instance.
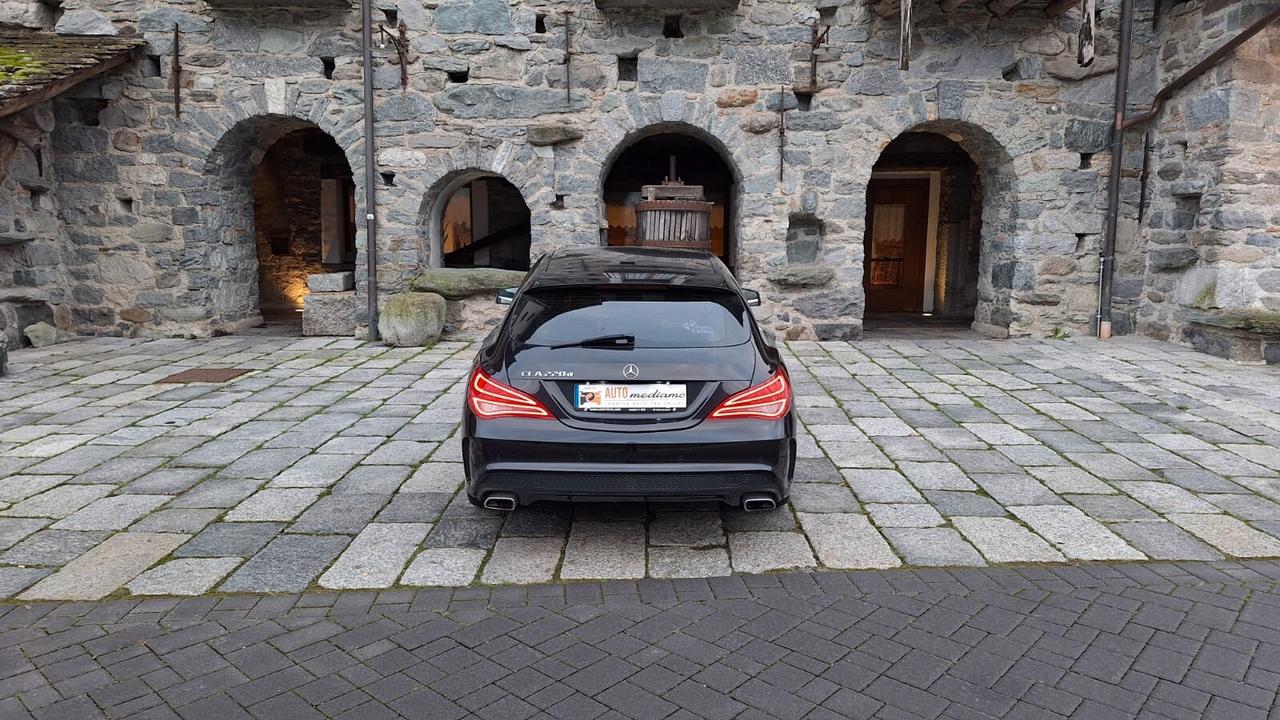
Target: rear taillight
(490, 399)
(769, 400)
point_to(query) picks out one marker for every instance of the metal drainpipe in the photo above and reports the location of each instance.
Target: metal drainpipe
(370, 191)
(1108, 256)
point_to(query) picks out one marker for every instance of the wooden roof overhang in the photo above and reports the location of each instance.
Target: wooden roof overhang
(37, 66)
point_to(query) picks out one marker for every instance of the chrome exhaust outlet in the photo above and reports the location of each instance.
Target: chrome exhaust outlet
(758, 503)
(500, 501)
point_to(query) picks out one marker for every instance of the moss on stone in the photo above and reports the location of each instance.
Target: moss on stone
(16, 65)
(1206, 297)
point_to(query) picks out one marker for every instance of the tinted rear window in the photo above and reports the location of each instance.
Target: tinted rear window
(661, 318)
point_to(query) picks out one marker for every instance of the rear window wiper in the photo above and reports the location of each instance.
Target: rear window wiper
(606, 341)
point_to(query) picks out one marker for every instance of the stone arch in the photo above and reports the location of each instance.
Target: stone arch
(219, 244)
(437, 202)
(999, 270)
(704, 138)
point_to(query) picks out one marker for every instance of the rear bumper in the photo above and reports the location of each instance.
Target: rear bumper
(541, 460)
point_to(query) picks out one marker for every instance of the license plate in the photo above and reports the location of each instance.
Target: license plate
(606, 396)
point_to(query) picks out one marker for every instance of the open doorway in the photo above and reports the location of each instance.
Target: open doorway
(923, 233)
(304, 219)
(647, 162)
(484, 222)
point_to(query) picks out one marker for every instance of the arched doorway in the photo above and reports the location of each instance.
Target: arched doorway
(937, 204)
(304, 218)
(479, 219)
(646, 161)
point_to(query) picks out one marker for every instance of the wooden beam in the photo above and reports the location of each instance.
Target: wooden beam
(949, 6)
(1059, 7)
(904, 36)
(55, 88)
(1001, 8)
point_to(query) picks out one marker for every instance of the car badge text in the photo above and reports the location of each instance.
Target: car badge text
(546, 373)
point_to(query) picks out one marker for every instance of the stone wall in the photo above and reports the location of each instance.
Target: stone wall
(481, 81)
(1209, 239)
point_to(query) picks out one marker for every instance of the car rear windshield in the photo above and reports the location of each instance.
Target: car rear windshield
(657, 318)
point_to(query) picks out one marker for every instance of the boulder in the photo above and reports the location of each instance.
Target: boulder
(329, 313)
(413, 319)
(41, 334)
(458, 283)
(802, 276)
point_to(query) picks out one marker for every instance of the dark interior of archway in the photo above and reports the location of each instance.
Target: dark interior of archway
(304, 218)
(485, 223)
(896, 260)
(646, 163)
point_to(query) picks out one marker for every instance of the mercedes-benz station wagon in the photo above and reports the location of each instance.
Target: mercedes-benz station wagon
(628, 374)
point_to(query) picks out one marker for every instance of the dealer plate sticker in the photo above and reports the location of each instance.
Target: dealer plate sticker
(656, 396)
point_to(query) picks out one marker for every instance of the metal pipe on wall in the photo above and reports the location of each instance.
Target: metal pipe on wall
(1108, 255)
(370, 171)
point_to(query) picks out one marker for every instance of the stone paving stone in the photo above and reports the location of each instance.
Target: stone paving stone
(263, 464)
(274, 504)
(315, 471)
(688, 529)
(230, 539)
(604, 551)
(1016, 489)
(52, 547)
(1110, 466)
(1063, 480)
(817, 470)
(936, 476)
(185, 576)
(1075, 534)
(999, 434)
(414, 507)
(817, 497)
(885, 486)
(1165, 497)
(465, 532)
(106, 567)
(778, 520)
(1246, 507)
(756, 552)
(1202, 481)
(379, 479)
(376, 557)
(339, 514)
(112, 513)
(400, 452)
(933, 547)
(435, 478)
(166, 481)
(59, 502)
(543, 520)
(1230, 535)
(216, 453)
(215, 493)
(953, 502)
(523, 560)
(883, 426)
(843, 542)
(684, 562)
(904, 515)
(856, 455)
(189, 521)
(444, 567)
(288, 563)
(1109, 508)
(16, 488)
(1162, 540)
(953, 438)
(910, 449)
(14, 580)
(1002, 540)
(13, 530)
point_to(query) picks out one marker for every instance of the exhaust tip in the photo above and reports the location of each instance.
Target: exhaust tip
(759, 503)
(499, 501)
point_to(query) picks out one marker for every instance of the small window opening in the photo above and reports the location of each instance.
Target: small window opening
(804, 100)
(37, 198)
(827, 15)
(126, 205)
(39, 153)
(558, 203)
(1186, 212)
(459, 76)
(392, 15)
(540, 23)
(151, 68)
(388, 179)
(1011, 73)
(90, 111)
(330, 65)
(628, 68)
(1086, 161)
(1082, 243)
(671, 26)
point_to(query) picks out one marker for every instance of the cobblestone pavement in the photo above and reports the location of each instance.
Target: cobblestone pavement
(1095, 642)
(334, 463)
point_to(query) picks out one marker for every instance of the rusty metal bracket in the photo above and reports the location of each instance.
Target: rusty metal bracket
(568, 58)
(782, 131)
(819, 39)
(904, 35)
(177, 72)
(400, 41)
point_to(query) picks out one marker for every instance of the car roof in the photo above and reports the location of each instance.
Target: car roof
(579, 266)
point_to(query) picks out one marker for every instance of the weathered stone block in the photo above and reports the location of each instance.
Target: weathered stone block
(41, 334)
(329, 313)
(802, 276)
(1087, 136)
(458, 283)
(331, 282)
(412, 319)
(553, 134)
(84, 22)
(502, 101)
(490, 17)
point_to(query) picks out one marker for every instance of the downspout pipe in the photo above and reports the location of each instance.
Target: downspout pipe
(1108, 256)
(370, 171)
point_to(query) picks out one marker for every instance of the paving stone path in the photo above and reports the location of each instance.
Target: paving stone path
(1094, 642)
(335, 464)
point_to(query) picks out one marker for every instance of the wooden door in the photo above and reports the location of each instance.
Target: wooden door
(897, 222)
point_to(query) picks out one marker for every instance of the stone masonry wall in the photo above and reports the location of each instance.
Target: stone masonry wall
(481, 76)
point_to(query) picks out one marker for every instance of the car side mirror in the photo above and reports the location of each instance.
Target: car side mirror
(751, 296)
(507, 296)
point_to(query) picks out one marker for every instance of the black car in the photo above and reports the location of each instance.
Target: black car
(628, 374)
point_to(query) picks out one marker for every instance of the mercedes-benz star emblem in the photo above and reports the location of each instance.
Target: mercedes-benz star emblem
(630, 372)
